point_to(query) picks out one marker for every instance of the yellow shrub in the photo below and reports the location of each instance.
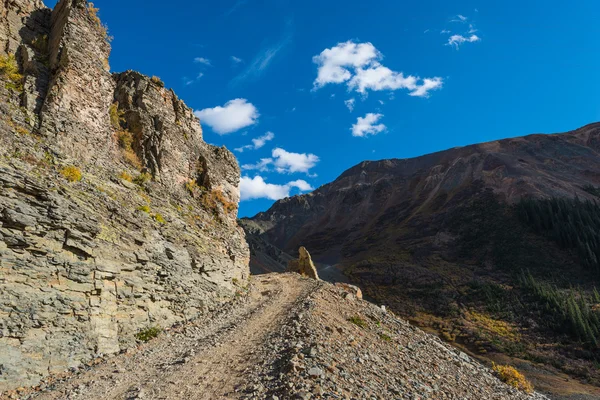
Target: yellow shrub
(93, 13)
(512, 377)
(125, 141)
(116, 115)
(71, 173)
(158, 81)
(126, 177)
(145, 209)
(9, 69)
(159, 218)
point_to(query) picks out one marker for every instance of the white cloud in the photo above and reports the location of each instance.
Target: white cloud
(358, 65)
(286, 162)
(262, 165)
(350, 104)
(236, 60)
(234, 115)
(257, 188)
(428, 85)
(202, 60)
(257, 143)
(457, 40)
(368, 125)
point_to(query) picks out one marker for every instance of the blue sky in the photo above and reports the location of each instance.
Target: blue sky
(274, 78)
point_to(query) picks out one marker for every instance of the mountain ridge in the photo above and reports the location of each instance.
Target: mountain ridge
(439, 236)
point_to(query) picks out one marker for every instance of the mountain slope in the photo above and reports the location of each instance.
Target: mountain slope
(439, 238)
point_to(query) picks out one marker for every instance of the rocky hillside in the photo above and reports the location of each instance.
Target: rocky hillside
(287, 337)
(115, 215)
(442, 239)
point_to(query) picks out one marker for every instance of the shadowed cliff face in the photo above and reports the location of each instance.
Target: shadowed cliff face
(438, 239)
(115, 215)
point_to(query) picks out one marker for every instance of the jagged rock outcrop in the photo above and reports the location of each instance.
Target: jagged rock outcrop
(93, 249)
(303, 265)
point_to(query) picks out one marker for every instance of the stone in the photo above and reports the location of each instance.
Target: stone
(303, 265)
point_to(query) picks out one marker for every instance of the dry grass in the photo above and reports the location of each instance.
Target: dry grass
(157, 81)
(512, 377)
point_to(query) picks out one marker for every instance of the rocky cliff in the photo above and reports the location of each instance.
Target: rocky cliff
(439, 238)
(115, 215)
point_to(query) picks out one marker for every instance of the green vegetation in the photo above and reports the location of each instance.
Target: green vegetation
(9, 70)
(144, 208)
(159, 218)
(142, 179)
(568, 312)
(385, 337)
(358, 321)
(148, 334)
(595, 191)
(572, 223)
(71, 173)
(512, 377)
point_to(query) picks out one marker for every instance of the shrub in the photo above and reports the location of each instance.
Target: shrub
(116, 115)
(385, 337)
(191, 187)
(102, 28)
(40, 43)
(512, 377)
(157, 81)
(126, 177)
(9, 69)
(159, 218)
(148, 334)
(125, 141)
(145, 209)
(142, 178)
(71, 173)
(358, 321)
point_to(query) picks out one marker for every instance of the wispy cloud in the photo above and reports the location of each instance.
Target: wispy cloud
(350, 104)
(235, 7)
(456, 40)
(189, 81)
(257, 143)
(466, 36)
(265, 57)
(236, 60)
(202, 60)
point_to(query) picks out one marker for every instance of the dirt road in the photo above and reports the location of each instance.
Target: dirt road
(205, 360)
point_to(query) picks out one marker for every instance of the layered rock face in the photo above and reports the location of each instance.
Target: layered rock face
(94, 249)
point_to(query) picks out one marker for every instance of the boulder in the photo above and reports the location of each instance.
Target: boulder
(303, 265)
